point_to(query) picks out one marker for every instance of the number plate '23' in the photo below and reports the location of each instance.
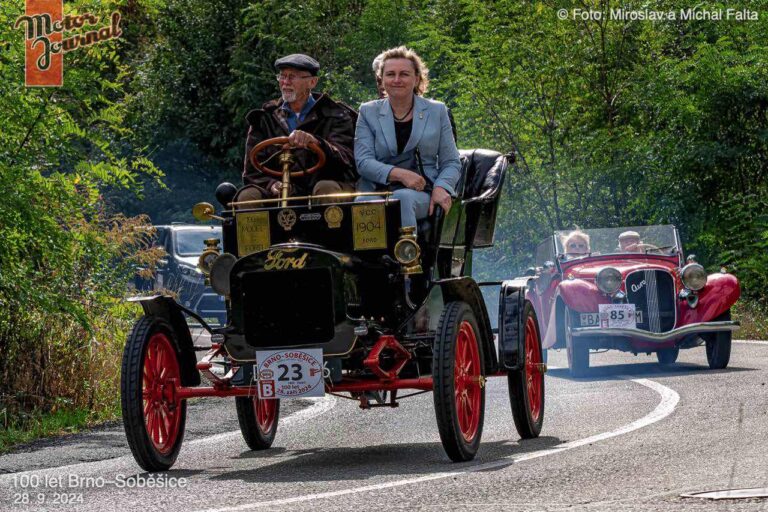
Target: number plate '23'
(289, 373)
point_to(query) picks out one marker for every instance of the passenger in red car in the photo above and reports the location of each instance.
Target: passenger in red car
(576, 243)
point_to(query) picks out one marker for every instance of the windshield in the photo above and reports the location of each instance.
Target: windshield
(191, 242)
(626, 240)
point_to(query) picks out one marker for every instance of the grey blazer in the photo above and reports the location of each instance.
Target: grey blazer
(376, 145)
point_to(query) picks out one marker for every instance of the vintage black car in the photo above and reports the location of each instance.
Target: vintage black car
(329, 295)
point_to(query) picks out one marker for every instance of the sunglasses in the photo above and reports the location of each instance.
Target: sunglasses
(577, 246)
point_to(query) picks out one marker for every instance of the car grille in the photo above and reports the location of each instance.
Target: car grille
(653, 293)
(292, 307)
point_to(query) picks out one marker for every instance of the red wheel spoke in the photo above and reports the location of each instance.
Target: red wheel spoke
(161, 407)
(467, 377)
(534, 376)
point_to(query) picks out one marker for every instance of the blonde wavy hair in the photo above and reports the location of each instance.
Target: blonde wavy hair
(402, 52)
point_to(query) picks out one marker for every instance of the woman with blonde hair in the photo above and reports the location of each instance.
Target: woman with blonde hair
(576, 243)
(404, 142)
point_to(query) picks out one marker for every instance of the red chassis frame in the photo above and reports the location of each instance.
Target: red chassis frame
(386, 380)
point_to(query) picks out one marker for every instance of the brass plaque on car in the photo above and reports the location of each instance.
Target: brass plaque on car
(369, 227)
(252, 232)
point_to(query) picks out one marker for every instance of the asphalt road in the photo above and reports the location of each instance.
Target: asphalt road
(631, 437)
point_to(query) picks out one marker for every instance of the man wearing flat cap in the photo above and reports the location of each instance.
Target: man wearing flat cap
(304, 117)
(629, 241)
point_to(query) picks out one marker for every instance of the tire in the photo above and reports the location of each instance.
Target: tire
(459, 386)
(578, 353)
(258, 420)
(667, 356)
(526, 386)
(153, 416)
(719, 345)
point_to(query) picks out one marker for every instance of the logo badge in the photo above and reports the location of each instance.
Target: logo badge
(333, 216)
(286, 218)
(277, 260)
(49, 34)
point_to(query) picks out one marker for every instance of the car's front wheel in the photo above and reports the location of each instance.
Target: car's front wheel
(578, 352)
(526, 386)
(668, 356)
(258, 419)
(459, 384)
(153, 414)
(719, 345)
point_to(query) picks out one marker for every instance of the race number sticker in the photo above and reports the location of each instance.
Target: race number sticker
(369, 225)
(289, 373)
(621, 316)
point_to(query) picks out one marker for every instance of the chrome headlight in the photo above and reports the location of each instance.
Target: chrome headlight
(608, 280)
(220, 273)
(694, 276)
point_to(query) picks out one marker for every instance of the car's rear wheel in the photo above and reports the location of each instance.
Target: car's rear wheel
(667, 356)
(719, 345)
(258, 419)
(526, 386)
(153, 415)
(578, 352)
(459, 385)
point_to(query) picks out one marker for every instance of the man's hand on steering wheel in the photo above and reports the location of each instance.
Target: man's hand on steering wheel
(301, 139)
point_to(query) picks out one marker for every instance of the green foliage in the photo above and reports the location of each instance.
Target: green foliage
(64, 259)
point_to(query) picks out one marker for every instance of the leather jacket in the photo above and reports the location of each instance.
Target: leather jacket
(331, 122)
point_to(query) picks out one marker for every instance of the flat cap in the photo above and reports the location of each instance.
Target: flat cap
(298, 61)
(629, 234)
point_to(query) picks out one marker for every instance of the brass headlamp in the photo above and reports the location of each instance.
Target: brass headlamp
(407, 251)
(209, 255)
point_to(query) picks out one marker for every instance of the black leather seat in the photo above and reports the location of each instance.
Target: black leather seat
(482, 176)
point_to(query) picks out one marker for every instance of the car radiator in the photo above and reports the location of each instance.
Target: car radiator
(653, 293)
(288, 308)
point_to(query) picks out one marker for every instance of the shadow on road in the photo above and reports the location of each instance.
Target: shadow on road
(642, 370)
(337, 464)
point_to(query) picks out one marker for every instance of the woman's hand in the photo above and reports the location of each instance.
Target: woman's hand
(442, 197)
(408, 178)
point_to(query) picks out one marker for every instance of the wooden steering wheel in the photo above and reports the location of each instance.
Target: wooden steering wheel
(280, 141)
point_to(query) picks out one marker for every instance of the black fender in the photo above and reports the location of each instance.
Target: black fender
(165, 307)
(511, 327)
(466, 289)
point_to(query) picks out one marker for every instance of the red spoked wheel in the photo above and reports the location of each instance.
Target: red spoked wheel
(526, 386)
(258, 420)
(153, 415)
(459, 384)
(468, 387)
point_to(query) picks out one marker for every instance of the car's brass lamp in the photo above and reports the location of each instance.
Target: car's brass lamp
(407, 251)
(209, 255)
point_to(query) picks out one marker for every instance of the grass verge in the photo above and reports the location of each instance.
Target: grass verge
(36, 425)
(754, 320)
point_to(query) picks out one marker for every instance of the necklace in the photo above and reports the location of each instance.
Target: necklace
(400, 119)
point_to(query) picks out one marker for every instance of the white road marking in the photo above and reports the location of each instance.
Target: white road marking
(751, 342)
(669, 400)
(321, 406)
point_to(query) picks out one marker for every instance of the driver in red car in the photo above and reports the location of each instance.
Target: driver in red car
(629, 241)
(305, 117)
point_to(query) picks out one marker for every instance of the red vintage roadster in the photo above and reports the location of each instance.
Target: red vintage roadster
(629, 289)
